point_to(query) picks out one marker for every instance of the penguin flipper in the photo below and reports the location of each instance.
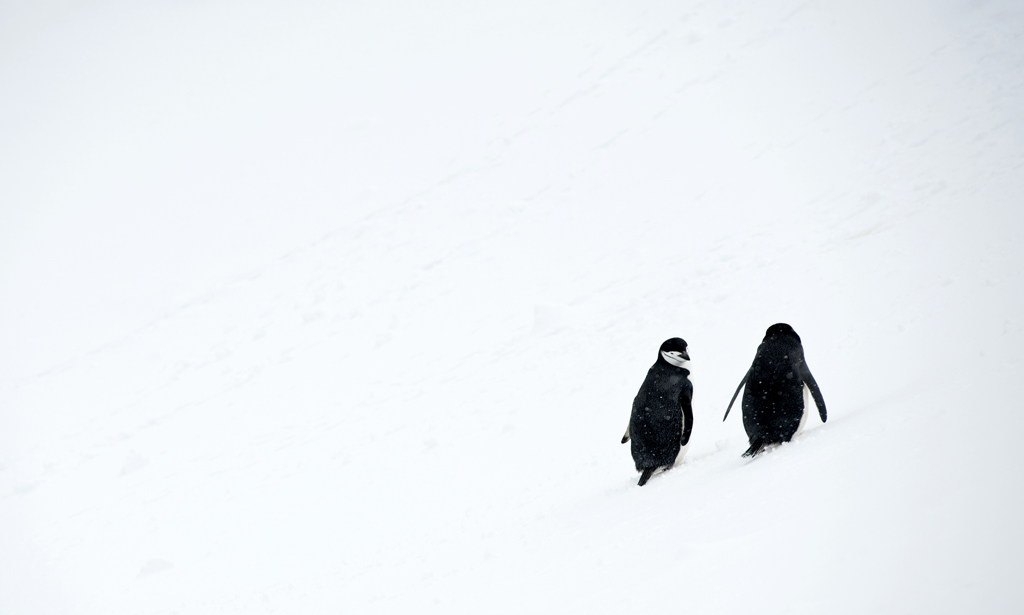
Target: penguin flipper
(731, 401)
(685, 406)
(646, 476)
(625, 436)
(819, 401)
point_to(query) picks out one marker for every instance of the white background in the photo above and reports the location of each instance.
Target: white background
(318, 307)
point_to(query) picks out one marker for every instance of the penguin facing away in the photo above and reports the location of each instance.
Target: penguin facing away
(779, 388)
(662, 418)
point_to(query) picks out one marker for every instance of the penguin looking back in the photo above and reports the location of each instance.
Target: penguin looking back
(779, 384)
(661, 420)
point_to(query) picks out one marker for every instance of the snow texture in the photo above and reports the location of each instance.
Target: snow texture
(340, 307)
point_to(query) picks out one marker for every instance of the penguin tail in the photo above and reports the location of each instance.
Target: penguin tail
(756, 446)
(646, 476)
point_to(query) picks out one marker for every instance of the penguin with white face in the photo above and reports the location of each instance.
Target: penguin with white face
(779, 389)
(662, 418)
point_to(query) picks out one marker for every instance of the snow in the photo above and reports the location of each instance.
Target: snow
(319, 307)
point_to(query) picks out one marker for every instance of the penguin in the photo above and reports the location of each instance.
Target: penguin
(662, 418)
(779, 389)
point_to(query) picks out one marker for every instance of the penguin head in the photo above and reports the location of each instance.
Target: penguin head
(780, 328)
(673, 352)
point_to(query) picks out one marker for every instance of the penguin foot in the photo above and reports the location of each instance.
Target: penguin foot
(646, 476)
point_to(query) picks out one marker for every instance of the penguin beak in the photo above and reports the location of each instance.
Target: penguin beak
(685, 355)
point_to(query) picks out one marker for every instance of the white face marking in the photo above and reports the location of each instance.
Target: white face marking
(673, 357)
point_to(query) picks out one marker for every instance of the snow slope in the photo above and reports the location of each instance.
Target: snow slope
(318, 307)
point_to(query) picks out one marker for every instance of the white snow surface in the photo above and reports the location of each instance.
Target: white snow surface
(340, 307)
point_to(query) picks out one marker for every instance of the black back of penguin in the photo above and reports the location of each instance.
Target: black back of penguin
(662, 419)
(774, 404)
